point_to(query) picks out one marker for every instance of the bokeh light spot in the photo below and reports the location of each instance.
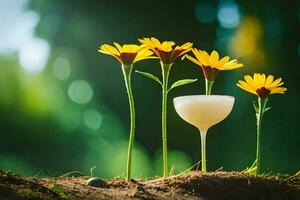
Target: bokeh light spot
(245, 43)
(17, 25)
(33, 55)
(92, 119)
(228, 14)
(61, 68)
(205, 12)
(80, 92)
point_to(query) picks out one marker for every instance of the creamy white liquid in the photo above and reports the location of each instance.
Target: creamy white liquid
(203, 111)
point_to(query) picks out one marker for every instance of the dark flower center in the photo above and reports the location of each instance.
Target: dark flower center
(168, 57)
(127, 58)
(263, 92)
(210, 73)
(165, 56)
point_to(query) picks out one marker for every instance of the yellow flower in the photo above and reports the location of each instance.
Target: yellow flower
(128, 53)
(261, 85)
(211, 65)
(166, 50)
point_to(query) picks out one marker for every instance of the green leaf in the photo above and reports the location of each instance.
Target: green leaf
(181, 82)
(255, 106)
(151, 76)
(267, 109)
(251, 170)
(58, 189)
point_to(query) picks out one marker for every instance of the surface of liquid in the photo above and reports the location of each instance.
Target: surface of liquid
(203, 111)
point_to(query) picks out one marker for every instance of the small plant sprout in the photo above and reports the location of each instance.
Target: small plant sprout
(211, 65)
(261, 86)
(95, 181)
(167, 54)
(127, 55)
(92, 171)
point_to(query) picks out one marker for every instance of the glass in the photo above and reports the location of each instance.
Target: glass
(203, 111)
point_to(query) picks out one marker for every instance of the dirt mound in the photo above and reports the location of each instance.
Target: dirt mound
(192, 185)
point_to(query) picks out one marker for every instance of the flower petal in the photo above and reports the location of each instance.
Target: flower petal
(251, 81)
(269, 81)
(243, 85)
(276, 82)
(214, 58)
(118, 46)
(203, 57)
(278, 90)
(111, 49)
(144, 54)
(192, 59)
(222, 62)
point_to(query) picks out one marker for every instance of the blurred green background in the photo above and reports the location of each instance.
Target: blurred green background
(63, 106)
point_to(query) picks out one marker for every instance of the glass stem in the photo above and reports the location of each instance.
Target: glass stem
(208, 86)
(203, 149)
(165, 75)
(259, 115)
(127, 78)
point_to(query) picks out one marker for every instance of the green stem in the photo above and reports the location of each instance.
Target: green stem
(203, 150)
(259, 115)
(208, 86)
(127, 78)
(165, 75)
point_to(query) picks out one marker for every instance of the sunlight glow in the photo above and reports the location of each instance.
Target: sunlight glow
(33, 55)
(17, 25)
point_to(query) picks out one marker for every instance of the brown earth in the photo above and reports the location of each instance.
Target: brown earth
(192, 185)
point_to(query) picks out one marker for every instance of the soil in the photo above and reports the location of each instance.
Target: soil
(191, 186)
